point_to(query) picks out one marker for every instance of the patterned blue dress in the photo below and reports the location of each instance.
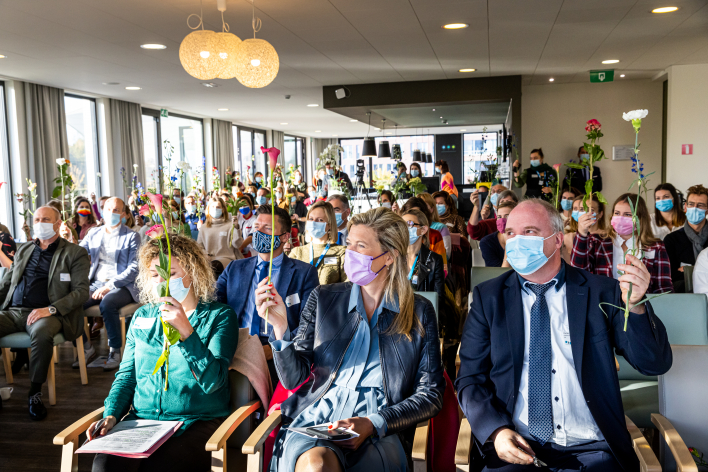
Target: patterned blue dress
(357, 391)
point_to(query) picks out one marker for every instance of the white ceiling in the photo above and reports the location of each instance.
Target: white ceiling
(79, 45)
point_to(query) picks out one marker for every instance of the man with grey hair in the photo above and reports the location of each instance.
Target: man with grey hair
(43, 294)
(340, 203)
(537, 378)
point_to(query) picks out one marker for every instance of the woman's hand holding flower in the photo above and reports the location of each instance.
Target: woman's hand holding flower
(268, 298)
(173, 313)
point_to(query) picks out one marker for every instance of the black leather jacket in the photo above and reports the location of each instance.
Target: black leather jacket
(431, 276)
(412, 370)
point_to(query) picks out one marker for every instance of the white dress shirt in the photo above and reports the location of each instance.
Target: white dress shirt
(106, 270)
(573, 423)
(700, 273)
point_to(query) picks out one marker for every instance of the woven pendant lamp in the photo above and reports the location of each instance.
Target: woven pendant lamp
(199, 54)
(227, 56)
(257, 63)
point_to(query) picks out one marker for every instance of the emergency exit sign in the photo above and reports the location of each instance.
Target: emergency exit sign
(602, 75)
(164, 113)
(687, 149)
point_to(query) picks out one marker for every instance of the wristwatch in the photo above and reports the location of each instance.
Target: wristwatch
(52, 310)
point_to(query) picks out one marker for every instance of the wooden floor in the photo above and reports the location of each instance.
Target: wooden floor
(26, 445)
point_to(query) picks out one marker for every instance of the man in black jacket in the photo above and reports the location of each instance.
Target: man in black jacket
(684, 245)
(578, 177)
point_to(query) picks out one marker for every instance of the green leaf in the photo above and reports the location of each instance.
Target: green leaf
(573, 165)
(56, 193)
(162, 286)
(160, 360)
(601, 198)
(588, 187)
(170, 332)
(164, 261)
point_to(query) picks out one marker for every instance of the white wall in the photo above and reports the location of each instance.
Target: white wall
(554, 116)
(687, 124)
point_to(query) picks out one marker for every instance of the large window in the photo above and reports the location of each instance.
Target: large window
(6, 197)
(478, 149)
(185, 135)
(151, 153)
(83, 145)
(248, 151)
(294, 153)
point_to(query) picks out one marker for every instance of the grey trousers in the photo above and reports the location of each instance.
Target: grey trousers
(14, 320)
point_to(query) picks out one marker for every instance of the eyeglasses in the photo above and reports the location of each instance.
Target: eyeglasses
(412, 224)
(701, 206)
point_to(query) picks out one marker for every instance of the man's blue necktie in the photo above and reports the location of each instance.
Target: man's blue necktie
(256, 320)
(539, 395)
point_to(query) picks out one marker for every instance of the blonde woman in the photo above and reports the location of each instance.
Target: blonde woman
(322, 250)
(381, 374)
(219, 237)
(198, 390)
(599, 226)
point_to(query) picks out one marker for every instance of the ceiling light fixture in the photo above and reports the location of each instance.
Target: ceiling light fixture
(210, 85)
(318, 131)
(433, 109)
(111, 83)
(369, 147)
(256, 59)
(334, 135)
(283, 123)
(132, 88)
(664, 10)
(222, 109)
(463, 130)
(611, 61)
(551, 79)
(313, 105)
(2, 56)
(622, 76)
(153, 46)
(353, 121)
(230, 44)
(199, 51)
(467, 70)
(452, 26)
(384, 147)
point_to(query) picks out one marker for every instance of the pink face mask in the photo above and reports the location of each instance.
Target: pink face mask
(622, 224)
(357, 266)
(501, 224)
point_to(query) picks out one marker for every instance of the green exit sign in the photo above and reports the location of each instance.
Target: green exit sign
(602, 75)
(164, 113)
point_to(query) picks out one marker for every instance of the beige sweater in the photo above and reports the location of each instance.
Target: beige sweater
(221, 241)
(331, 269)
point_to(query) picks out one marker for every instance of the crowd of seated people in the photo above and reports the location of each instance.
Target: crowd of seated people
(346, 328)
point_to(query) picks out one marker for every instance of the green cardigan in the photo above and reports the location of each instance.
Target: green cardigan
(199, 368)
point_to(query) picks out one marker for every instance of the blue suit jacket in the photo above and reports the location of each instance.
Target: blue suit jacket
(126, 256)
(492, 354)
(295, 277)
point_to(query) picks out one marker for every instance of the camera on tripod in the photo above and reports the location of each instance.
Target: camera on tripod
(360, 171)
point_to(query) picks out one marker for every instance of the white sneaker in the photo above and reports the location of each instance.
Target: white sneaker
(113, 361)
(89, 355)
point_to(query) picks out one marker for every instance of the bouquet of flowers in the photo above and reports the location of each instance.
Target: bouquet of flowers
(338, 187)
(382, 180)
(329, 155)
(416, 186)
(215, 179)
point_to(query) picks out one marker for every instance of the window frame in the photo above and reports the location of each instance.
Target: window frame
(4, 142)
(303, 153)
(99, 182)
(253, 132)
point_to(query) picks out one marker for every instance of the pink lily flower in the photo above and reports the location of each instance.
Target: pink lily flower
(156, 201)
(273, 154)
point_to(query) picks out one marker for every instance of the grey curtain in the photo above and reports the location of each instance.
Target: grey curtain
(223, 134)
(279, 142)
(319, 145)
(127, 132)
(46, 136)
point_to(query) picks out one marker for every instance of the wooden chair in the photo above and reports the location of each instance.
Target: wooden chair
(22, 341)
(125, 312)
(466, 462)
(217, 444)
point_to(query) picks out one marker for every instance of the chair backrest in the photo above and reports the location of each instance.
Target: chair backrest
(482, 274)
(474, 244)
(3, 270)
(241, 393)
(477, 258)
(685, 316)
(682, 392)
(433, 297)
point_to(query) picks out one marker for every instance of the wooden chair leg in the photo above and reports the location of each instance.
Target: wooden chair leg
(122, 336)
(55, 356)
(8, 365)
(255, 461)
(69, 460)
(52, 385)
(86, 328)
(82, 360)
(218, 460)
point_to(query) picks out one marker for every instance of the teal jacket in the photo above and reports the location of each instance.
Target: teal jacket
(199, 368)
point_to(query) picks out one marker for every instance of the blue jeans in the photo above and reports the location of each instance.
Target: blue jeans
(110, 306)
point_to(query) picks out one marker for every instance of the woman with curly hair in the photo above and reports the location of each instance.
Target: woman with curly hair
(198, 391)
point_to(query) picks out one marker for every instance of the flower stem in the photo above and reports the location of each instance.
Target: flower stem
(626, 306)
(272, 240)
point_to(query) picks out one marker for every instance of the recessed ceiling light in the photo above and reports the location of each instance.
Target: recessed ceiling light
(313, 105)
(334, 135)
(210, 85)
(389, 133)
(455, 26)
(111, 83)
(222, 109)
(664, 10)
(132, 88)
(611, 61)
(433, 109)
(283, 123)
(467, 70)
(441, 117)
(353, 121)
(463, 130)
(551, 79)
(153, 46)
(2, 56)
(622, 75)
(318, 131)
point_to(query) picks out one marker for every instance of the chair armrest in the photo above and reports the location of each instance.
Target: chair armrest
(73, 431)
(420, 441)
(647, 459)
(683, 458)
(465, 440)
(255, 442)
(217, 441)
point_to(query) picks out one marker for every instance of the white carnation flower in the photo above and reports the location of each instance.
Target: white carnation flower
(635, 115)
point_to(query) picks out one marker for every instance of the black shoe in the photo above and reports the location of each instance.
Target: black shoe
(37, 410)
(21, 358)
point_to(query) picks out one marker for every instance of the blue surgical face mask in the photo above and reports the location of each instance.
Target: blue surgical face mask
(695, 215)
(113, 219)
(525, 253)
(244, 210)
(412, 234)
(261, 242)
(664, 205)
(338, 217)
(566, 204)
(494, 199)
(191, 209)
(317, 229)
(330, 171)
(259, 179)
(386, 205)
(575, 215)
(415, 172)
(177, 289)
(441, 209)
(261, 200)
(535, 162)
(279, 195)
(124, 220)
(175, 215)
(293, 199)
(216, 212)
(178, 200)
(584, 156)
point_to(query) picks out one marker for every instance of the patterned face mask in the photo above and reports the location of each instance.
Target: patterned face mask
(261, 242)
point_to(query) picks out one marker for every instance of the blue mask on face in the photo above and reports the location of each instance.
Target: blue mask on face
(535, 162)
(415, 172)
(566, 204)
(177, 289)
(494, 199)
(175, 215)
(191, 209)
(244, 210)
(262, 200)
(216, 212)
(330, 171)
(178, 200)
(664, 205)
(261, 242)
(441, 209)
(259, 179)
(695, 215)
(525, 253)
(317, 229)
(575, 215)
(113, 219)
(338, 217)
(124, 220)
(412, 234)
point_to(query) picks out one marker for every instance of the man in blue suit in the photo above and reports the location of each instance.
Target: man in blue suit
(292, 278)
(113, 249)
(537, 374)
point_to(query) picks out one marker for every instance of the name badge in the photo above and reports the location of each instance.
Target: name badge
(291, 300)
(223, 234)
(650, 254)
(143, 323)
(330, 261)
(65, 277)
(414, 280)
